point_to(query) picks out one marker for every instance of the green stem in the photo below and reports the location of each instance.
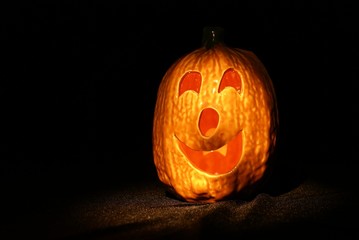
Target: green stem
(212, 36)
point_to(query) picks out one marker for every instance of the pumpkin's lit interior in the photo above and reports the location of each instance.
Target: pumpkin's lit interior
(224, 159)
(208, 122)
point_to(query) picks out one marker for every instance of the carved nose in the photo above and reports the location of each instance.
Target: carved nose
(208, 122)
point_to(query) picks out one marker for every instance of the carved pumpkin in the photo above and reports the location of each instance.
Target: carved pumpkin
(215, 122)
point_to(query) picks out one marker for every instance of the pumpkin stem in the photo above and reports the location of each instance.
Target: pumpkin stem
(212, 35)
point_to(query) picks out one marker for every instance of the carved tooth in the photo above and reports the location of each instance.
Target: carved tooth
(222, 150)
(207, 152)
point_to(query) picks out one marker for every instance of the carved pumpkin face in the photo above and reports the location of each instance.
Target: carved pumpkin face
(215, 123)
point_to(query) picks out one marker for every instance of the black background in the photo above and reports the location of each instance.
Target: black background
(79, 82)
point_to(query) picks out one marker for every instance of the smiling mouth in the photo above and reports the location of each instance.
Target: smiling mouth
(219, 161)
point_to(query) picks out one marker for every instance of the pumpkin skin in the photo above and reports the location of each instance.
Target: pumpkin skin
(215, 123)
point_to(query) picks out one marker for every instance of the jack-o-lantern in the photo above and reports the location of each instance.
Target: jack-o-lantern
(215, 122)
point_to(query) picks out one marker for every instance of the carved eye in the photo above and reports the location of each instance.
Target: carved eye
(190, 81)
(230, 78)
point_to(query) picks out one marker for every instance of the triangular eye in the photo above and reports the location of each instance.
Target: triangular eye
(190, 81)
(230, 78)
